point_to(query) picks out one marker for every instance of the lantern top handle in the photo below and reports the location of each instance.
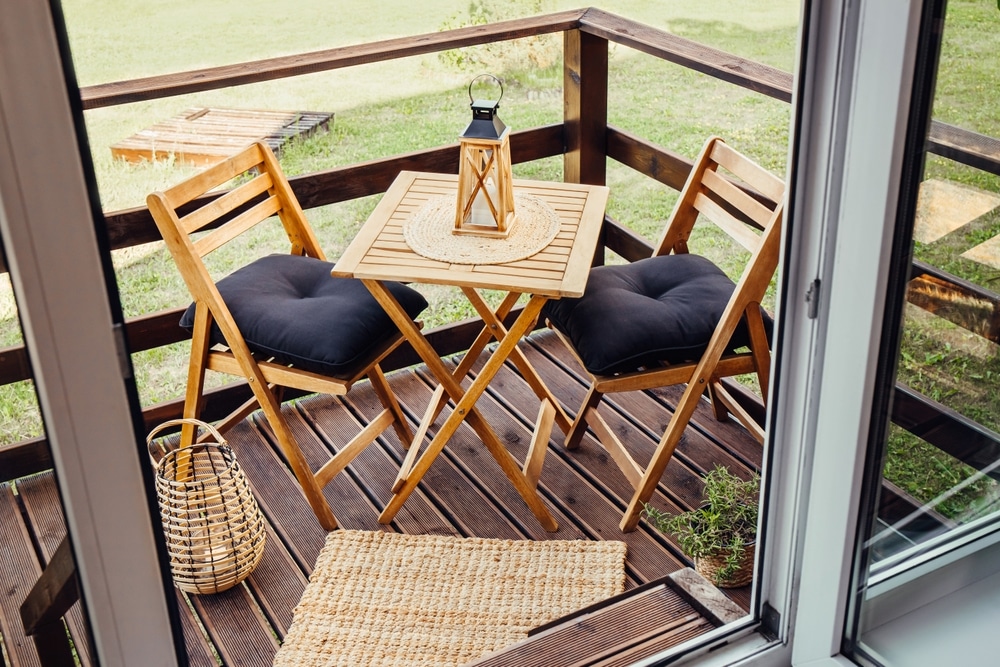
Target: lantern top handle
(491, 76)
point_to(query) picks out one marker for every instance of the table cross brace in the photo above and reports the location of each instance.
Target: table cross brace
(465, 405)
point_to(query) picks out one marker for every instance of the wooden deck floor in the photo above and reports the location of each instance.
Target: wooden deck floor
(464, 493)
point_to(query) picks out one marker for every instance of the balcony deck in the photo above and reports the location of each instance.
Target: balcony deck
(464, 493)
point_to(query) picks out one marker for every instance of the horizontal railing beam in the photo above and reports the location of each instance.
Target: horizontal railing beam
(970, 306)
(969, 148)
(721, 65)
(135, 226)
(269, 69)
(27, 457)
(947, 430)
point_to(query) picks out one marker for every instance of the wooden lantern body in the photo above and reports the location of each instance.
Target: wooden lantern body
(485, 204)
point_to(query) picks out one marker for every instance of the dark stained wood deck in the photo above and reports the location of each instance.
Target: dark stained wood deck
(464, 493)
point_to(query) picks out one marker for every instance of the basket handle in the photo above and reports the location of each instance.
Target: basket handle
(154, 450)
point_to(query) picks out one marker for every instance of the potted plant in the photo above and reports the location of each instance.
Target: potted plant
(721, 534)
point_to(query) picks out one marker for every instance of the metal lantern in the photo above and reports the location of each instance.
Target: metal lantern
(485, 203)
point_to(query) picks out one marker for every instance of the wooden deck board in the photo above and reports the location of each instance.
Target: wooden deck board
(19, 569)
(200, 653)
(465, 493)
(41, 502)
(240, 633)
(278, 495)
(655, 618)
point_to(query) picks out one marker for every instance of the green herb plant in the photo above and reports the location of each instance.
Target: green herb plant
(724, 525)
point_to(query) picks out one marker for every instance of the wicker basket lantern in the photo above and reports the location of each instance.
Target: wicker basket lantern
(212, 524)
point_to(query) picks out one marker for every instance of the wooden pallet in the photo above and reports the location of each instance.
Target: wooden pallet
(204, 136)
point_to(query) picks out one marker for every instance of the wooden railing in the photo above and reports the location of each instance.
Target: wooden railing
(585, 141)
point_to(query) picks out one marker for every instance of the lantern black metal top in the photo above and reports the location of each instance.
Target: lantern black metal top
(485, 122)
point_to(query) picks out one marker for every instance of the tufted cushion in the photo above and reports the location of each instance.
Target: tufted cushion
(291, 308)
(657, 309)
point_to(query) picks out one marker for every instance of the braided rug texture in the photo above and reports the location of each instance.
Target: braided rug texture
(428, 232)
(386, 600)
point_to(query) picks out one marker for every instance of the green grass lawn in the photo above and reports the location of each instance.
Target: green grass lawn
(384, 109)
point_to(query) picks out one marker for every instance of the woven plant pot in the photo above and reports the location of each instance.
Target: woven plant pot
(711, 566)
(213, 526)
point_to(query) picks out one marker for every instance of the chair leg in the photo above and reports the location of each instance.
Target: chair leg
(197, 364)
(662, 455)
(293, 454)
(579, 425)
(389, 402)
(759, 347)
(718, 407)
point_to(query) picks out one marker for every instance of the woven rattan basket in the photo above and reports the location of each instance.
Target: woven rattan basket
(212, 523)
(711, 566)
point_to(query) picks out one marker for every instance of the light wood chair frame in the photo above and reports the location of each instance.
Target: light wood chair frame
(711, 194)
(265, 377)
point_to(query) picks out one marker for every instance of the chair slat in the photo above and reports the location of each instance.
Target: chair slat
(237, 226)
(213, 176)
(756, 176)
(740, 232)
(746, 204)
(228, 202)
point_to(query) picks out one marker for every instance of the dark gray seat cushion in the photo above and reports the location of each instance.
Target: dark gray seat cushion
(289, 307)
(634, 315)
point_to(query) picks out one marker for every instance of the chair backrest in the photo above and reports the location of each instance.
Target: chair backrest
(261, 193)
(740, 197)
(264, 193)
(747, 202)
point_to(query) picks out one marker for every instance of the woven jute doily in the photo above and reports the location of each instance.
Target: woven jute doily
(429, 233)
(387, 600)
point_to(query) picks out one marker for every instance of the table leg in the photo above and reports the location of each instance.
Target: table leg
(494, 325)
(465, 405)
(476, 349)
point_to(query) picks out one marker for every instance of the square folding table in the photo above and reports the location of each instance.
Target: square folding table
(381, 253)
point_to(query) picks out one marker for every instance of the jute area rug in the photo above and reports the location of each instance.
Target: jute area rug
(382, 599)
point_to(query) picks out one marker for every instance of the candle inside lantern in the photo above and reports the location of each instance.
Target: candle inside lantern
(480, 214)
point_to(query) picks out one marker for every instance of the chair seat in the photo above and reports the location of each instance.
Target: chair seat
(289, 307)
(659, 309)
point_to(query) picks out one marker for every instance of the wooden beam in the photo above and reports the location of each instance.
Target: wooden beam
(662, 165)
(54, 592)
(951, 432)
(725, 66)
(27, 457)
(626, 243)
(970, 148)
(14, 364)
(585, 107)
(48, 601)
(167, 85)
(959, 301)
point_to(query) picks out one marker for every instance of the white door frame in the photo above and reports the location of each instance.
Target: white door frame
(77, 353)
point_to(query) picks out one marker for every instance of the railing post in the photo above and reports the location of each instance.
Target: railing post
(585, 107)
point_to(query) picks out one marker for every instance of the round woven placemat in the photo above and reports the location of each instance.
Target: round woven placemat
(429, 233)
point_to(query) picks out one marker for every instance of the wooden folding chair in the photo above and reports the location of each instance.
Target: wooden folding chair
(280, 321)
(676, 317)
